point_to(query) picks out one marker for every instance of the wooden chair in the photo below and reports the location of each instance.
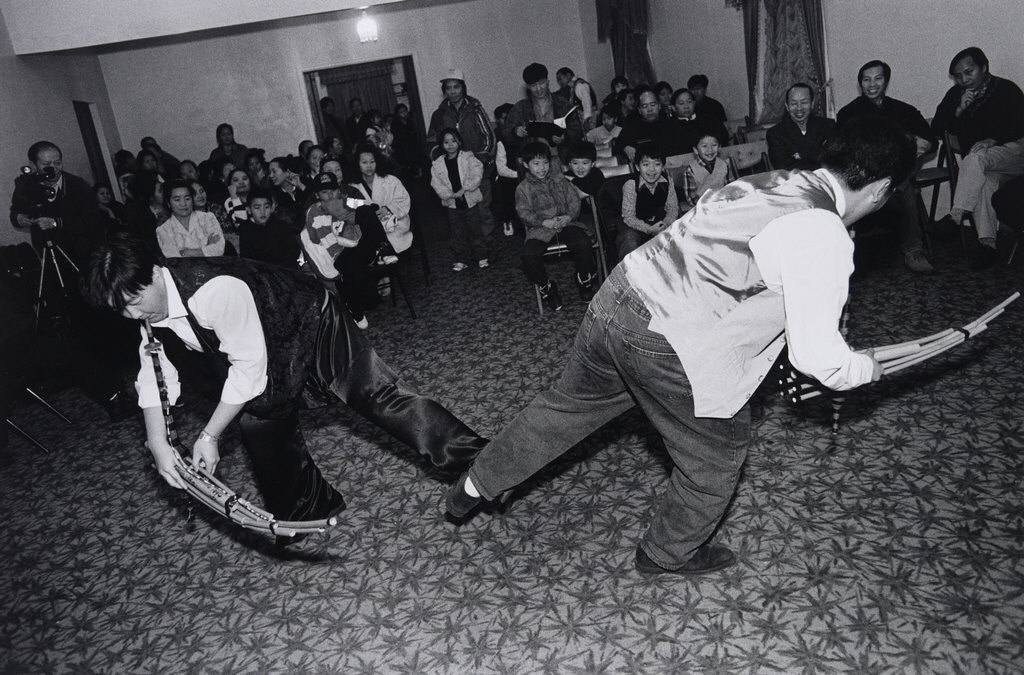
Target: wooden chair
(752, 134)
(558, 249)
(747, 158)
(734, 125)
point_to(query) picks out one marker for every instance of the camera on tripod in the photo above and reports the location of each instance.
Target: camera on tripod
(37, 187)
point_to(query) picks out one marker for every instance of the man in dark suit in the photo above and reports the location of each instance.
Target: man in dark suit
(796, 142)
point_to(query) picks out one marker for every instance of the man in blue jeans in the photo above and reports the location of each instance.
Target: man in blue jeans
(688, 325)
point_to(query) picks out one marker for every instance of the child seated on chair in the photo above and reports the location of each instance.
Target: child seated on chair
(587, 178)
(266, 236)
(649, 202)
(609, 130)
(456, 176)
(549, 207)
(709, 172)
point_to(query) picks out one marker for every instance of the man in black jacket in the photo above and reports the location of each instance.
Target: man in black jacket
(797, 141)
(905, 205)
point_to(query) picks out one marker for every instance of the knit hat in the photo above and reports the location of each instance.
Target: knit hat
(534, 73)
(454, 74)
(325, 181)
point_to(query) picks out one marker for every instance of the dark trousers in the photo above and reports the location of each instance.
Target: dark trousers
(616, 363)
(580, 248)
(346, 368)
(469, 238)
(356, 286)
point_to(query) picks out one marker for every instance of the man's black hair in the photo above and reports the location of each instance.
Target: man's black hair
(800, 85)
(697, 81)
(38, 147)
(582, 150)
(662, 86)
(565, 71)
(976, 55)
(865, 151)
(535, 150)
(117, 270)
(875, 63)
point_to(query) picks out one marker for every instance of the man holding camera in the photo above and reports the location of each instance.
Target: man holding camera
(55, 205)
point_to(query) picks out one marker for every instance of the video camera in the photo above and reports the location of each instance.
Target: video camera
(35, 185)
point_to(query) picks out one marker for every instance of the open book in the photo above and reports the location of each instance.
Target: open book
(546, 130)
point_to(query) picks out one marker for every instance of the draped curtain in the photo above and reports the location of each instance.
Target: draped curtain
(370, 82)
(624, 23)
(785, 44)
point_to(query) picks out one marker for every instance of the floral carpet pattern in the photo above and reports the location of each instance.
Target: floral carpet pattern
(895, 546)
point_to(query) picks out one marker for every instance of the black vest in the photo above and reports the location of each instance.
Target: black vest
(288, 304)
(650, 206)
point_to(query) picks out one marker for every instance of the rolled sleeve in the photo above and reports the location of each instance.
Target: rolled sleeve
(808, 257)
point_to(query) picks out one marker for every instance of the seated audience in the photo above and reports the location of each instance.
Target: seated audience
(649, 202)
(188, 170)
(617, 85)
(226, 146)
(649, 127)
(708, 172)
(187, 233)
(112, 209)
(705, 105)
(236, 204)
(145, 208)
(201, 202)
(688, 127)
(797, 141)
(587, 178)
(147, 160)
(455, 177)
(167, 163)
(628, 100)
(986, 115)
(905, 205)
(549, 207)
(604, 135)
(288, 189)
(265, 236)
(385, 193)
(124, 162)
(342, 239)
(663, 90)
(314, 155)
(256, 166)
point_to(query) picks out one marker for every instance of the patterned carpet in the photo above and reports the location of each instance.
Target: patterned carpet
(896, 546)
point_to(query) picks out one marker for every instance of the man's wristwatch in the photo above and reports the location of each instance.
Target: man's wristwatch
(205, 435)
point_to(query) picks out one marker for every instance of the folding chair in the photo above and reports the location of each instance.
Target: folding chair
(558, 249)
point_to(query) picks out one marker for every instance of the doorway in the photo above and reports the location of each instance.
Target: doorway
(100, 163)
(379, 85)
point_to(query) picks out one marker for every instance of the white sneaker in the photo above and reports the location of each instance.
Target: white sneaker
(459, 266)
(363, 323)
(509, 230)
(483, 263)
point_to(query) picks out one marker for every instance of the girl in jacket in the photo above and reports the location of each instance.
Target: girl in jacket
(455, 177)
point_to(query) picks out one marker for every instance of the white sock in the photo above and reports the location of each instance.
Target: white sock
(470, 488)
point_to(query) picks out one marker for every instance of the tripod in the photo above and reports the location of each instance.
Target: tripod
(49, 257)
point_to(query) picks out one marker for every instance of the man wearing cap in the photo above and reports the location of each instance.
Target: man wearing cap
(540, 106)
(340, 250)
(460, 111)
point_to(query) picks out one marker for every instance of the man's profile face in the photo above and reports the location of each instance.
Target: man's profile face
(563, 80)
(454, 91)
(798, 105)
(649, 106)
(50, 158)
(969, 74)
(629, 102)
(698, 92)
(873, 84)
(540, 88)
(150, 303)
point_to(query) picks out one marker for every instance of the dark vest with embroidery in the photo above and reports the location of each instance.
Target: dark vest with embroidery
(288, 304)
(650, 206)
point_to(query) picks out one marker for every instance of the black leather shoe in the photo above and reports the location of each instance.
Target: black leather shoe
(458, 503)
(707, 558)
(985, 257)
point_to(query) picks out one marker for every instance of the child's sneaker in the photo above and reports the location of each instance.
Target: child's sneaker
(459, 266)
(585, 286)
(549, 294)
(483, 262)
(509, 230)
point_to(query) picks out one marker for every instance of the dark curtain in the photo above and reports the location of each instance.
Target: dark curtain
(788, 57)
(624, 23)
(370, 82)
(751, 28)
(815, 26)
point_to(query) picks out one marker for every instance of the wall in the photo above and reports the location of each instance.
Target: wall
(918, 38)
(32, 26)
(701, 36)
(38, 91)
(179, 90)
